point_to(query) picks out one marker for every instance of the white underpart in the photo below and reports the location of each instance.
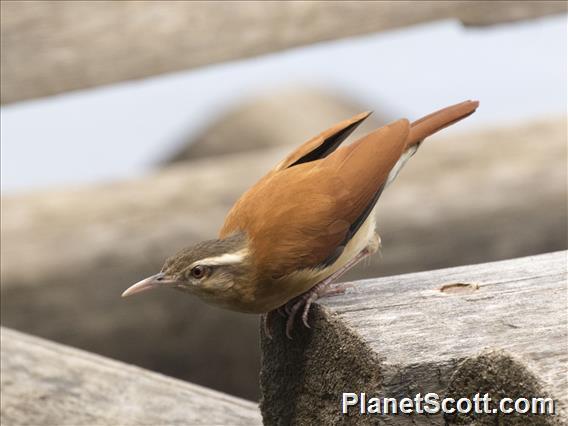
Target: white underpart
(366, 233)
(400, 163)
(363, 238)
(224, 259)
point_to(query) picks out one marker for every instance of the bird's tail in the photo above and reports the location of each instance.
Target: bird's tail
(428, 125)
(432, 123)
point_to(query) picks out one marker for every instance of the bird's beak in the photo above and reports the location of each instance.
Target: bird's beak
(149, 283)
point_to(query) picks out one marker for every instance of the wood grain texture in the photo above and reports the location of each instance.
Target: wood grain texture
(52, 47)
(44, 383)
(464, 198)
(500, 327)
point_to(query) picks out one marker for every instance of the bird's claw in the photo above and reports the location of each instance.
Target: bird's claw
(266, 324)
(291, 308)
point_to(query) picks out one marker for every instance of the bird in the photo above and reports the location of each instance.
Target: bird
(302, 225)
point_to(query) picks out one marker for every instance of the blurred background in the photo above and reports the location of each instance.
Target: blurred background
(128, 129)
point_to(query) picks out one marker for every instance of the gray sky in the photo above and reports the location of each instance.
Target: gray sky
(517, 71)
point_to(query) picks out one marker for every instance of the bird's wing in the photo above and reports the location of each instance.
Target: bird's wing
(299, 217)
(323, 144)
(306, 209)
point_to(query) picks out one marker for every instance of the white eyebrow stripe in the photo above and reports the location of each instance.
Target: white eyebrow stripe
(224, 259)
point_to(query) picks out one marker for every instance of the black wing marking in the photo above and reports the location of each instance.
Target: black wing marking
(328, 145)
(355, 226)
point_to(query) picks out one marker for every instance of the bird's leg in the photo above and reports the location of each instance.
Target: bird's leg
(267, 320)
(321, 288)
(266, 325)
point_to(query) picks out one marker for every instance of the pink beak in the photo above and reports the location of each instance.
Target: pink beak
(155, 281)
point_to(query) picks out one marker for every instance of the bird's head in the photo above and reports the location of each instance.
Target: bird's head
(207, 269)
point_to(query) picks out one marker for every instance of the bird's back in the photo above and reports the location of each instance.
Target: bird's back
(301, 216)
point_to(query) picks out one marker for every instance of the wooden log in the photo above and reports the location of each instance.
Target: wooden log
(44, 383)
(52, 47)
(68, 254)
(497, 328)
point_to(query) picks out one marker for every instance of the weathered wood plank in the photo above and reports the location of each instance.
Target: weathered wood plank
(463, 199)
(52, 47)
(504, 331)
(44, 383)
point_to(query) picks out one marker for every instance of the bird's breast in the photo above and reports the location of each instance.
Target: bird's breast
(273, 293)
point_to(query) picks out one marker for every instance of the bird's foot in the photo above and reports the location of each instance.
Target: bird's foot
(268, 319)
(304, 301)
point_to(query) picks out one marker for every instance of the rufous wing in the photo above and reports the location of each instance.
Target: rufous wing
(298, 217)
(325, 143)
(308, 207)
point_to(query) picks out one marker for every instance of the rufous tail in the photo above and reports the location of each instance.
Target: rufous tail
(426, 126)
(432, 123)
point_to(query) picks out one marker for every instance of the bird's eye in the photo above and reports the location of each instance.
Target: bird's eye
(198, 271)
